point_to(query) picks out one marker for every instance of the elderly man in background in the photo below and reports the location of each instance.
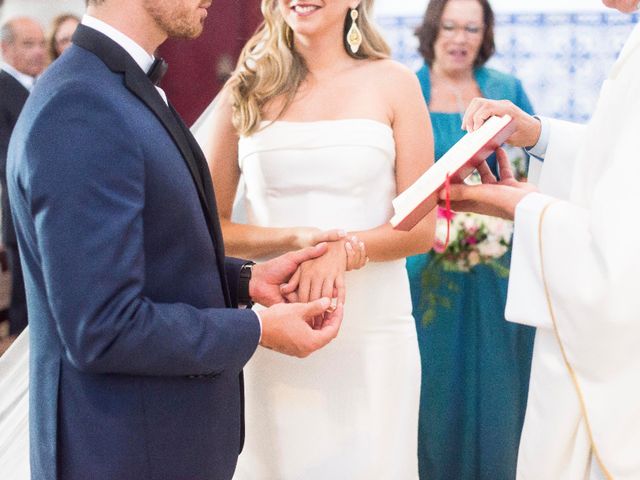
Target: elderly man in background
(24, 58)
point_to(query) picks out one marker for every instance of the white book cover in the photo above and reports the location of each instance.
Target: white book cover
(459, 162)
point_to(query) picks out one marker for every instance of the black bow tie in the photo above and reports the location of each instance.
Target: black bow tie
(157, 71)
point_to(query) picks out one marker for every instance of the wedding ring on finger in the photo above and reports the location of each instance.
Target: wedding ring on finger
(332, 306)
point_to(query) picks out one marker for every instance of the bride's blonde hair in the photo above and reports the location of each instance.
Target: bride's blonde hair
(269, 66)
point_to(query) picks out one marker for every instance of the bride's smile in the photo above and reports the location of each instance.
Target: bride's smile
(310, 18)
(304, 9)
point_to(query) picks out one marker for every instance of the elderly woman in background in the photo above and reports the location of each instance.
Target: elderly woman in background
(62, 29)
(475, 366)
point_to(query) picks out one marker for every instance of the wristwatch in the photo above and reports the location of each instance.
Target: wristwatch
(244, 299)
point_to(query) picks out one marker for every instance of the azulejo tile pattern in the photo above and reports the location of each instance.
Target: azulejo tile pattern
(562, 58)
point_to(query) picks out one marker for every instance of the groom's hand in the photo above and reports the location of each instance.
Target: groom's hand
(267, 277)
(288, 328)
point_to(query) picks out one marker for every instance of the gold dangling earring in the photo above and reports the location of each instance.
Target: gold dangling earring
(354, 36)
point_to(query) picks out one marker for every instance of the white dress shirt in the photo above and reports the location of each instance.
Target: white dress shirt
(143, 58)
(539, 150)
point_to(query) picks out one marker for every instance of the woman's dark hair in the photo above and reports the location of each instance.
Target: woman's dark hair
(427, 33)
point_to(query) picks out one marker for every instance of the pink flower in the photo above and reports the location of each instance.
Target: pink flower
(472, 240)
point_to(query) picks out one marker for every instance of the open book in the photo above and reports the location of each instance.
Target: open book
(459, 162)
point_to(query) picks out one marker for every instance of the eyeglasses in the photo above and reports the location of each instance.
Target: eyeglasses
(449, 29)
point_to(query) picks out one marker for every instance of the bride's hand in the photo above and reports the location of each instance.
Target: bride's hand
(356, 258)
(323, 276)
(356, 254)
(308, 236)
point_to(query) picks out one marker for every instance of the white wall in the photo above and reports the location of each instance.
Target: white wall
(417, 7)
(43, 10)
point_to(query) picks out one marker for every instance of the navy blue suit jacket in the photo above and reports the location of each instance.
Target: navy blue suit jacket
(136, 353)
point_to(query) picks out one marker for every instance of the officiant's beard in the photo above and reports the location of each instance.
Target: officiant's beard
(178, 18)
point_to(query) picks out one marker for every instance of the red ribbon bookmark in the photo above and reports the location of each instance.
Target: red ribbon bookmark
(448, 214)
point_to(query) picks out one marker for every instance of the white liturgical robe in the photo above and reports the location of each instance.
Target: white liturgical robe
(575, 276)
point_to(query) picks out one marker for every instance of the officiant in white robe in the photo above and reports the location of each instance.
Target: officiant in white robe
(574, 276)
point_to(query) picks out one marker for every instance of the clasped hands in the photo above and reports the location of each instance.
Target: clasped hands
(493, 197)
(305, 292)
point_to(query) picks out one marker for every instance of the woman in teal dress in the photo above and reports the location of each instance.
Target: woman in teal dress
(475, 364)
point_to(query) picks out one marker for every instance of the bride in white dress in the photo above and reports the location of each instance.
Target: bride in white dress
(325, 137)
(14, 410)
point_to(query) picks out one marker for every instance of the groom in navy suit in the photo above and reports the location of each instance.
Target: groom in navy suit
(137, 348)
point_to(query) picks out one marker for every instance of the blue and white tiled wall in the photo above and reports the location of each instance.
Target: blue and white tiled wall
(561, 59)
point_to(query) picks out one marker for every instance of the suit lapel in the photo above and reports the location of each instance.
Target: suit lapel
(138, 83)
(119, 61)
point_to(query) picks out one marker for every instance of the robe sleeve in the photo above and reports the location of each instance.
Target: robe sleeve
(554, 175)
(526, 302)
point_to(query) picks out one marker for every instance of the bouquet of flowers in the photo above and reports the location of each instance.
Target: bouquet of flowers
(473, 239)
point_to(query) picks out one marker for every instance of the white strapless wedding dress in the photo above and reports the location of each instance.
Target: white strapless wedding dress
(14, 410)
(349, 411)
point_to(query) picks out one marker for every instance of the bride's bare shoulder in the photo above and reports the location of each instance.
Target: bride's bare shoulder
(393, 80)
(390, 75)
(389, 70)
(389, 65)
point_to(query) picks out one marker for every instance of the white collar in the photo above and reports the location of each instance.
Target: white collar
(139, 54)
(143, 58)
(27, 81)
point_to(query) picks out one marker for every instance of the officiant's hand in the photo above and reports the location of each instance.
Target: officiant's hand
(527, 127)
(498, 199)
(289, 328)
(268, 277)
